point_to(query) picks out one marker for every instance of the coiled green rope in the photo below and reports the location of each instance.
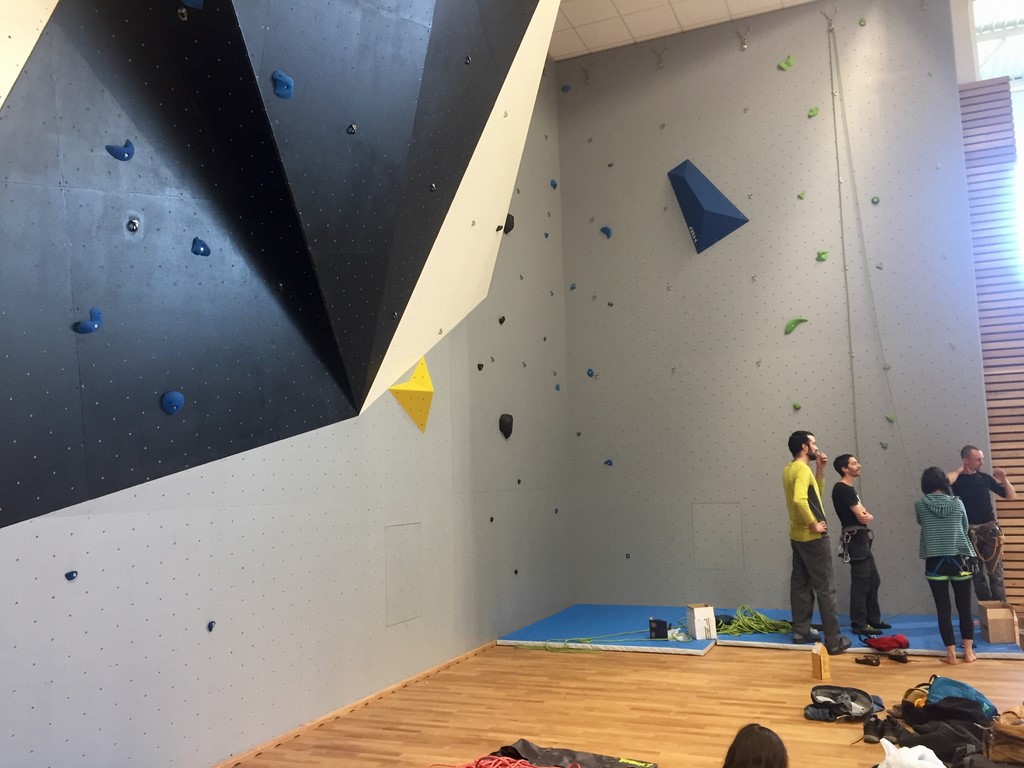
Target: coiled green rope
(750, 622)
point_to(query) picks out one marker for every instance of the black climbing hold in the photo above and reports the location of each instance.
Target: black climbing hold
(498, 228)
(516, 572)
(578, 434)
(510, 223)
(199, 247)
(590, 373)
(627, 555)
(608, 462)
(124, 153)
(558, 387)
(501, 320)
(71, 575)
(479, 366)
(572, 287)
(469, 60)
(505, 425)
(284, 86)
(351, 130)
(210, 625)
(610, 304)
(519, 482)
(566, 88)
(556, 510)
(172, 402)
(492, 519)
(546, 235)
(132, 225)
(94, 322)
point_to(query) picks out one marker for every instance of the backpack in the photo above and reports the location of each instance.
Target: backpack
(940, 688)
(1008, 737)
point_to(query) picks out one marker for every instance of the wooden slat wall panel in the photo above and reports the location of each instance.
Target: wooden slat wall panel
(991, 157)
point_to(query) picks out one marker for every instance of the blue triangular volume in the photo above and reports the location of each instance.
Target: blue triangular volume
(709, 214)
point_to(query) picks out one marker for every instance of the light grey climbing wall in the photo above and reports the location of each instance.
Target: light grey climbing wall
(331, 565)
(683, 426)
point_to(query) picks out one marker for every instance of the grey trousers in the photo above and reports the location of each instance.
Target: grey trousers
(812, 578)
(988, 582)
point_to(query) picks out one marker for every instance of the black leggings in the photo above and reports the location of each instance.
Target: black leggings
(962, 589)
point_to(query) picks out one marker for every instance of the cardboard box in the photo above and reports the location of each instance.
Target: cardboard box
(999, 623)
(700, 621)
(821, 667)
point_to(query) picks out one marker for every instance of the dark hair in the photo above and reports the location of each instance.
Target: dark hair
(798, 440)
(934, 480)
(966, 451)
(756, 747)
(841, 462)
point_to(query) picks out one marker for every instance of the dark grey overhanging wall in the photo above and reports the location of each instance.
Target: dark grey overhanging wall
(316, 234)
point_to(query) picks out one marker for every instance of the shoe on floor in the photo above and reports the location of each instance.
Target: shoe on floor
(871, 661)
(841, 647)
(866, 629)
(873, 730)
(813, 637)
(881, 624)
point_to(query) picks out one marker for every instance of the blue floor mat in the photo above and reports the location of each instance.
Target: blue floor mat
(585, 627)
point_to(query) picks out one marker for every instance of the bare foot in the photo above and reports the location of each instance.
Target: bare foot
(950, 659)
(970, 656)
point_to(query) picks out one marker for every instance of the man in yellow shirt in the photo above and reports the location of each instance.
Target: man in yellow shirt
(808, 537)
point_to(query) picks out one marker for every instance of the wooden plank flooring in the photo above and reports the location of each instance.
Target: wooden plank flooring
(672, 710)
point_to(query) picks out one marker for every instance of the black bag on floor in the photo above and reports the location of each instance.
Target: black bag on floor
(833, 703)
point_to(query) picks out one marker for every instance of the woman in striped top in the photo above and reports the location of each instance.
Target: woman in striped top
(946, 551)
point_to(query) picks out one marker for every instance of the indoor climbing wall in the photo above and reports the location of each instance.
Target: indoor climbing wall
(299, 574)
(218, 275)
(844, 306)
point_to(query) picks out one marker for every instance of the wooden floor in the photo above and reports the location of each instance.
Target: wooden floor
(672, 710)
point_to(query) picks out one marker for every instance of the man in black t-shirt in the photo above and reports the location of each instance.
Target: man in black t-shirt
(865, 614)
(975, 489)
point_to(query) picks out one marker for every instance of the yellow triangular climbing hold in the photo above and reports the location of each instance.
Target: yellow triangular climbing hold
(416, 394)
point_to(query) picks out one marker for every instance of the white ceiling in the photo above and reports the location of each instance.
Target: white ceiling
(588, 26)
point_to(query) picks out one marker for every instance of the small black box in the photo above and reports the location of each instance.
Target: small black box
(659, 629)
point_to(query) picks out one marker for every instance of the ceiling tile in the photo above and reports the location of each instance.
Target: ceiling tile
(627, 7)
(740, 8)
(698, 13)
(656, 22)
(566, 44)
(580, 12)
(604, 34)
(561, 22)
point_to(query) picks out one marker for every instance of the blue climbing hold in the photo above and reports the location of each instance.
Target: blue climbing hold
(590, 372)
(554, 183)
(572, 287)
(566, 88)
(608, 462)
(92, 324)
(284, 86)
(71, 575)
(199, 247)
(125, 153)
(172, 402)
(558, 387)
(607, 232)
(210, 625)
(197, 4)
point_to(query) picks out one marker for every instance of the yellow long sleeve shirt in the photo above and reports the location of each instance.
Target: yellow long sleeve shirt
(803, 497)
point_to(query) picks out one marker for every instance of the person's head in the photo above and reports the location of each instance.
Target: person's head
(847, 466)
(802, 442)
(972, 457)
(756, 747)
(934, 480)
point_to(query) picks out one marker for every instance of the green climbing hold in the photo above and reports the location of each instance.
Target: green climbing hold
(792, 324)
(876, 200)
(886, 367)
(801, 195)
(797, 406)
(863, 22)
(878, 266)
(812, 112)
(890, 419)
(885, 446)
(822, 256)
(787, 63)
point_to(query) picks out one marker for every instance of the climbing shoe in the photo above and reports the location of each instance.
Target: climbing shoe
(871, 661)
(866, 630)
